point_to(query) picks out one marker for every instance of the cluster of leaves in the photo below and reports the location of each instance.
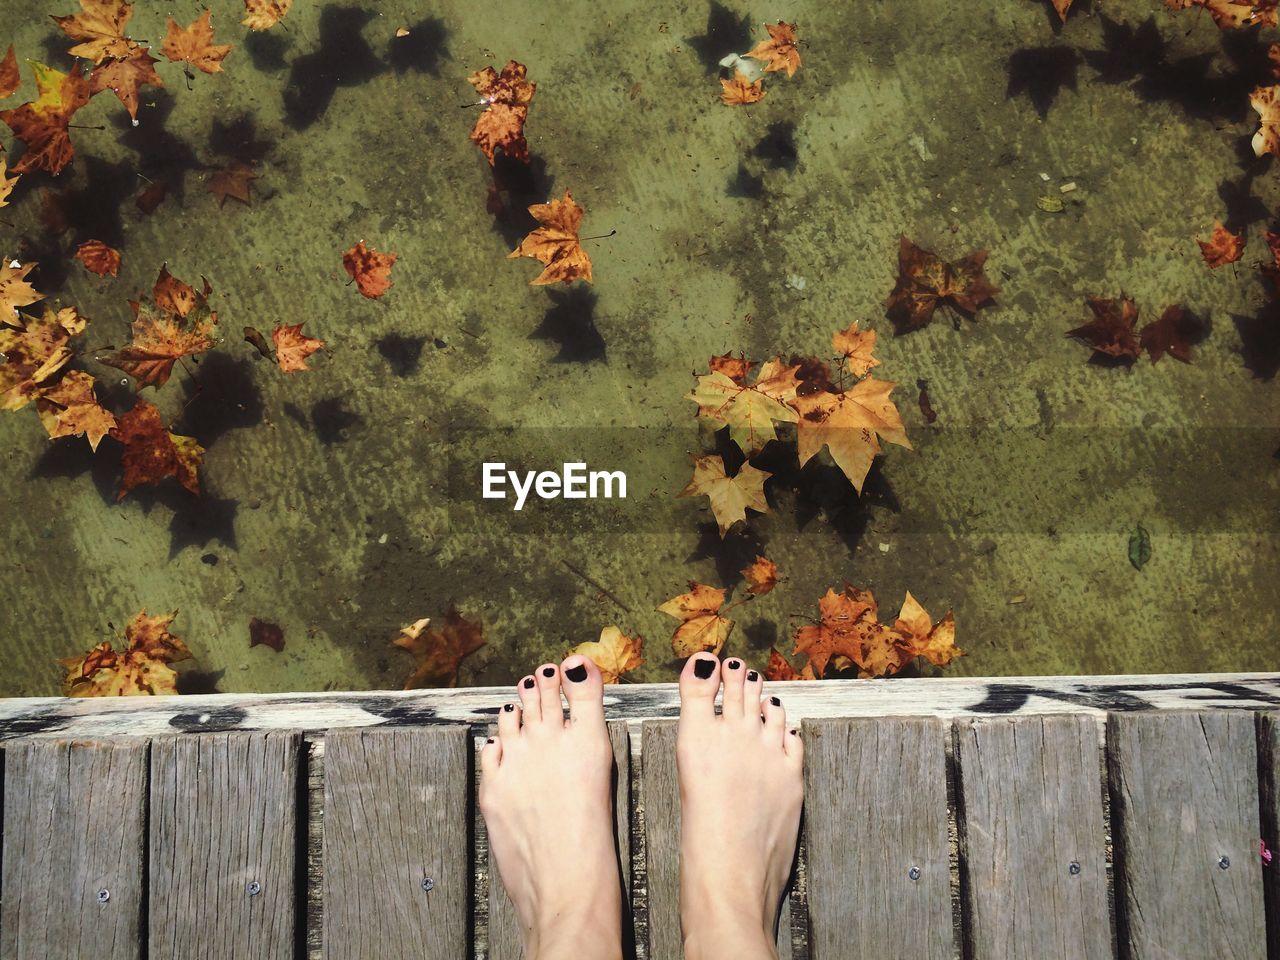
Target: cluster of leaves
(143, 667)
(779, 52)
(1113, 335)
(1227, 14)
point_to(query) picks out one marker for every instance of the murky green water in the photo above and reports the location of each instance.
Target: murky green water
(343, 502)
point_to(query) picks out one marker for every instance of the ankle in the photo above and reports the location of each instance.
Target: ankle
(728, 938)
(577, 934)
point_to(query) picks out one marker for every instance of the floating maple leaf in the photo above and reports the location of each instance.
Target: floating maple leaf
(740, 90)
(233, 181)
(152, 453)
(99, 258)
(736, 369)
(556, 242)
(1232, 14)
(1062, 6)
(141, 669)
(42, 123)
(293, 348)
(263, 14)
(1111, 331)
(761, 575)
(936, 642)
(856, 347)
(15, 291)
(730, 496)
(439, 652)
(194, 44)
(1266, 101)
(779, 51)
(36, 351)
(124, 77)
(71, 409)
(180, 324)
(779, 668)
(99, 26)
(10, 78)
(1174, 333)
(501, 125)
(925, 280)
(749, 410)
(701, 626)
(614, 653)
(849, 630)
(7, 183)
(1222, 247)
(370, 269)
(847, 423)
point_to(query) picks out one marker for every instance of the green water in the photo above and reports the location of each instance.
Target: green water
(341, 503)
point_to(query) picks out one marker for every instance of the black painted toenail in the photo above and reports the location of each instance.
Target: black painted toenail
(752, 676)
(528, 683)
(795, 733)
(775, 701)
(508, 707)
(703, 668)
(577, 674)
(734, 664)
(548, 671)
(490, 740)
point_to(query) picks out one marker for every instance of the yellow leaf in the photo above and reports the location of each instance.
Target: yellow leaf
(730, 496)
(614, 653)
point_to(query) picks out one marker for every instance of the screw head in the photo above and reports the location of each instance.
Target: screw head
(914, 873)
(253, 888)
(104, 895)
(428, 884)
(1224, 862)
(1073, 868)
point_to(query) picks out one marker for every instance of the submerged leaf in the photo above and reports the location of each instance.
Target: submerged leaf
(370, 269)
(439, 652)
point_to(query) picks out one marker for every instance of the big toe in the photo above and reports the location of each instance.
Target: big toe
(699, 682)
(583, 688)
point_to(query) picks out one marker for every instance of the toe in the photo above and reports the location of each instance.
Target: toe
(733, 672)
(509, 721)
(548, 678)
(527, 688)
(583, 688)
(699, 682)
(490, 756)
(752, 691)
(793, 745)
(775, 717)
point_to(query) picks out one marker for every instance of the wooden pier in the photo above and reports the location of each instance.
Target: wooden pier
(1013, 818)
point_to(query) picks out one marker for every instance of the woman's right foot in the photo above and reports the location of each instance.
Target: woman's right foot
(741, 788)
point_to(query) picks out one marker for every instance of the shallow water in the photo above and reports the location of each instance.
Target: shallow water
(342, 503)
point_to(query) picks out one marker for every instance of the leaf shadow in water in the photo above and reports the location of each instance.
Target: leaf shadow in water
(726, 33)
(570, 321)
(343, 59)
(1041, 73)
(422, 49)
(516, 187)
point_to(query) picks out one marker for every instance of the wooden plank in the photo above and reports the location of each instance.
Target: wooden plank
(875, 808)
(397, 845)
(1184, 810)
(945, 697)
(72, 884)
(1269, 792)
(660, 792)
(504, 926)
(224, 811)
(1032, 838)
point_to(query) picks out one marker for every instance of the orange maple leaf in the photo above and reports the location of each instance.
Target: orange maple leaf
(125, 76)
(749, 409)
(42, 124)
(779, 668)
(141, 669)
(152, 453)
(1266, 101)
(761, 575)
(1232, 14)
(1062, 6)
(556, 242)
(740, 90)
(701, 626)
(614, 653)
(7, 183)
(936, 642)
(925, 280)
(71, 409)
(36, 351)
(730, 497)
(1111, 331)
(15, 291)
(233, 181)
(736, 369)
(439, 652)
(370, 269)
(99, 26)
(98, 258)
(856, 347)
(849, 630)
(10, 79)
(1222, 247)
(501, 125)
(194, 44)
(293, 348)
(847, 423)
(180, 324)
(779, 51)
(263, 14)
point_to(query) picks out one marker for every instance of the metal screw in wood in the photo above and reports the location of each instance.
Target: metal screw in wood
(104, 895)
(428, 884)
(914, 873)
(1224, 862)
(1073, 868)
(253, 888)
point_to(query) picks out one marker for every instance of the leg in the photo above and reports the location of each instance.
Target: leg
(547, 800)
(740, 794)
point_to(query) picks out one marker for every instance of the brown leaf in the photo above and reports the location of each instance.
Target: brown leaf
(730, 497)
(141, 669)
(501, 125)
(370, 269)
(614, 653)
(1111, 332)
(701, 626)
(36, 351)
(98, 258)
(152, 453)
(1174, 333)
(10, 78)
(779, 51)
(42, 124)
(263, 14)
(7, 183)
(70, 409)
(856, 347)
(125, 77)
(100, 29)
(847, 424)
(15, 291)
(749, 409)
(740, 90)
(194, 44)
(779, 668)
(1266, 101)
(556, 243)
(293, 348)
(1222, 247)
(259, 342)
(232, 181)
(925, 280)
(267, 634)
(151, 196)
(761, 575)
(439, 652)
(179, 325)
(936, 642)
(736, 369)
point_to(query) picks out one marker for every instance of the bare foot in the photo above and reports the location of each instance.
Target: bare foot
(546, 796)
(741, 788)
